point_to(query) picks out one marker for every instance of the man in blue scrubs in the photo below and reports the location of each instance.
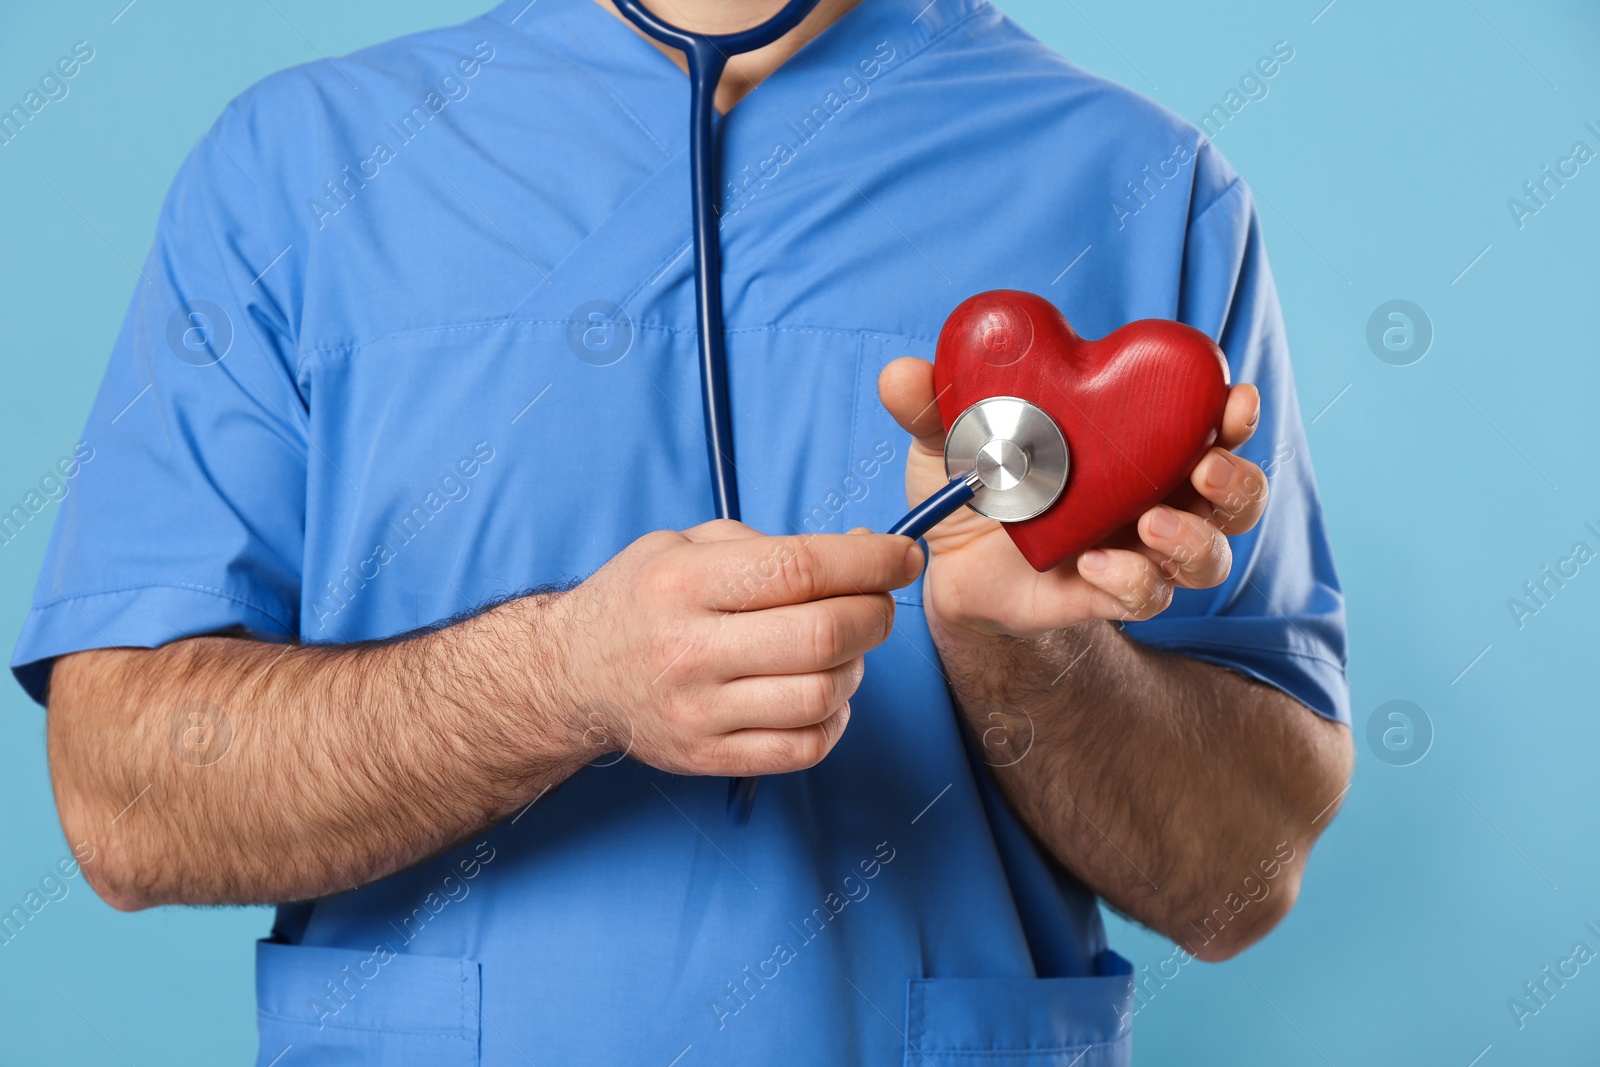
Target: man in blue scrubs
(388, 595)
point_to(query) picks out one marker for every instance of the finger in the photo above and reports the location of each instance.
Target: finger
(1234, 491)
(802, 638)
(1241, 417)
(789, 701)
(1129, 586)
(748, 574)
(720, 530)
(1185, 547)
(906, 389)
(755, 752)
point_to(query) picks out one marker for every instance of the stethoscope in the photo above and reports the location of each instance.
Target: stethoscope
(1005, 457)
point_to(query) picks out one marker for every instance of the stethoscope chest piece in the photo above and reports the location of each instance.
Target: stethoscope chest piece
(1012, 454)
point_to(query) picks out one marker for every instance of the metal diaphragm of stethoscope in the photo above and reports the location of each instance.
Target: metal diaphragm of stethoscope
(1006, 458)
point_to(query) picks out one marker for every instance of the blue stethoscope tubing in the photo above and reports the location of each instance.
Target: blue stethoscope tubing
(707, 56)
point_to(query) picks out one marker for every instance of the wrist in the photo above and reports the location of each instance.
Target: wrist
(976, 601)
(952, 632)
(1019, 661)
(951, 620)
(514, 659)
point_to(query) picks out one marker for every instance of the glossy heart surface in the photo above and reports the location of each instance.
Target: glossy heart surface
(1139, 407)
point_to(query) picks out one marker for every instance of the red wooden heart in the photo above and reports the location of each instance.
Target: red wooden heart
(1139, 408)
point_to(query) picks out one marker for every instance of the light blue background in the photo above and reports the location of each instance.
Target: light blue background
(1383, 158)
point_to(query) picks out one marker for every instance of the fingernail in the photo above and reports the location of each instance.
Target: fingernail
(1219, 471)
(1164, 523)
(1094, 560)
(914, 559)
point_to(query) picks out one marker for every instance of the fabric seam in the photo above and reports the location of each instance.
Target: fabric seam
(621, 105)
(182, 586)
(1237, 183)
(462, 1033)
(1231, 645)
(926, 46)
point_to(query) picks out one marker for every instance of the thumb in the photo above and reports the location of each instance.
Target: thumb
(906, 389)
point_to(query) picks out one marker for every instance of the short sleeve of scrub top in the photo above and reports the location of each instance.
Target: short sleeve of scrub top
(188, 516)
(1279, 617)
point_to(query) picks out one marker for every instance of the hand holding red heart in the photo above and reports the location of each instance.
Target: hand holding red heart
(979, 582)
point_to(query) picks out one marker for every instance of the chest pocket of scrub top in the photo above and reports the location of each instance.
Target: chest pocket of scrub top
(354, 1008)
(875, 494)
(1022, 1022)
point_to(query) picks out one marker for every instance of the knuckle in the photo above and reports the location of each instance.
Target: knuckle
(810, 744)
(833, 729)
(1259, 490)
(1162, 599)
(664, 580)
(799, 565)
(1185, 552)
(849, 679)
(1157, 602)
(1147, 594)
(1220, 554)
(829, 637)
(659, 540)
(1198, 557)
(883, 604)
(817, 697)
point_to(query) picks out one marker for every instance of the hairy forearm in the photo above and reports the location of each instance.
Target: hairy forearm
(1169, 786)
(219, 770)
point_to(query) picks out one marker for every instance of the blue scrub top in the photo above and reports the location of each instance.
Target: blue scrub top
(418, 330)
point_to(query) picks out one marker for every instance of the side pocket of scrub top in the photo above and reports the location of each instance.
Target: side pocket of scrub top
(354, 1008)
(1022, 1022)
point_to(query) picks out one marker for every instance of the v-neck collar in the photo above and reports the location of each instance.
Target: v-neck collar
(654, 92)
